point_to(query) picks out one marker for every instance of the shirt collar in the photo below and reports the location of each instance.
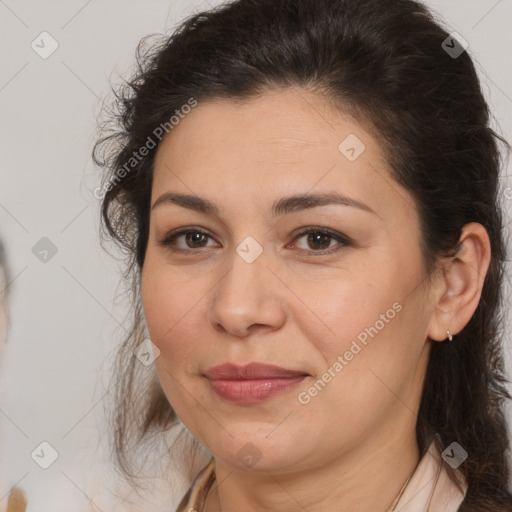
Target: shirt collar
(429, 488)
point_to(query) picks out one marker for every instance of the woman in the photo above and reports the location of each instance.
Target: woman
(16, 501)
(306, 195)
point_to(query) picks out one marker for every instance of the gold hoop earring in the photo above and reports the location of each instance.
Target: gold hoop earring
(450, 337)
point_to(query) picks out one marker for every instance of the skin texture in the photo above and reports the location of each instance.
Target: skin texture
(294, 307)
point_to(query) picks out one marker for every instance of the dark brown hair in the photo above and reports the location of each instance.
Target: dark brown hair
(383, 62)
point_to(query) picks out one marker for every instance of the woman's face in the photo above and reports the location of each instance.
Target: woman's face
(346, 307)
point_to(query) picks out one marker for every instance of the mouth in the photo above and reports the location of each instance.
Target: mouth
(252, 383)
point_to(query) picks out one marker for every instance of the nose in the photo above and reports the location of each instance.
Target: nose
(248, 299)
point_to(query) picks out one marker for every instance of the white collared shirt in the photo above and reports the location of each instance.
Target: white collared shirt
(430, 488)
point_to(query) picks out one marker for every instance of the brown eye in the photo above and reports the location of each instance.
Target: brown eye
(319, 240)
(186, 240)
(194, 239)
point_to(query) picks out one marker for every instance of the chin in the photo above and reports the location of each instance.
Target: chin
(256, 451)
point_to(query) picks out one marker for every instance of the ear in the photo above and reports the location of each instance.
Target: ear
(457, 292)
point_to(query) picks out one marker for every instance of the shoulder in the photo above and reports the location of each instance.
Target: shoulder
(16, 501)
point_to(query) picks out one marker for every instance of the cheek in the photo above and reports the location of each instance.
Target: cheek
(352, 307)
(377, 346)
(171, 303)
(371, 324)
(366, 360)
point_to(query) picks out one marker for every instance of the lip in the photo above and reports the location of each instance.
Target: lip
(251, 371)
(252, 383)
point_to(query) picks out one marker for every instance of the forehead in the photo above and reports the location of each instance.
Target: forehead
(277, 144)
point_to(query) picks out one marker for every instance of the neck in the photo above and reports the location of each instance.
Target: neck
(367, 479)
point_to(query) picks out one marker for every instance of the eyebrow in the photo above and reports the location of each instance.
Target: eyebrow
(282, 206)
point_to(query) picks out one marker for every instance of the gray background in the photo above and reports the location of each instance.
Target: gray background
(65, 318)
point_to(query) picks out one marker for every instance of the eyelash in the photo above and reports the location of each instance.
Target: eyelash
(344, 241)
